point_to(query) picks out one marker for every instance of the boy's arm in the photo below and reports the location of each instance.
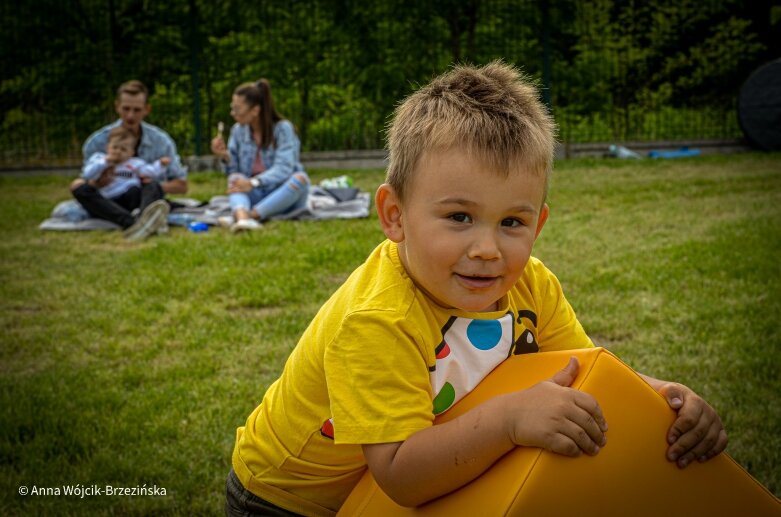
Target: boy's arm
(442, 458)
(96, 169)
(155, 170)
(697, 433)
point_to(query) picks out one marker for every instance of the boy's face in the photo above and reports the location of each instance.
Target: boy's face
(465, 233)
(119, 150)
(132, 109)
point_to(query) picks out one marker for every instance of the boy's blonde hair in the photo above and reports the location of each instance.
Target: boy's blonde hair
(122, 134)
(493, 112)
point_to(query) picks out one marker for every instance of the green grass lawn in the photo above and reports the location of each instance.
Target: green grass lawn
(132, 364)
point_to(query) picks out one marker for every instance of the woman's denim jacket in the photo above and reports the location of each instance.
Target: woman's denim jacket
(281, 161)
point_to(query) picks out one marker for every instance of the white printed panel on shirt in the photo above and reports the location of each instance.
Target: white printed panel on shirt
(469, 350)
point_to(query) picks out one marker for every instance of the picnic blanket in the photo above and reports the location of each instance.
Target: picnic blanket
(322, 204)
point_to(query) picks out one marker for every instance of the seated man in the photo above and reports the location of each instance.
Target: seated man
(132, 106)
(121, 175)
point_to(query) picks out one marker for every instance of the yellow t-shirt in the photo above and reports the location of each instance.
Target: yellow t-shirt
(376, 364)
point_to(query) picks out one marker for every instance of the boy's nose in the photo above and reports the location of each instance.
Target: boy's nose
(485, 246)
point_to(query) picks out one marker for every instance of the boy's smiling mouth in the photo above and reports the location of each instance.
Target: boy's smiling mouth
(476, 281)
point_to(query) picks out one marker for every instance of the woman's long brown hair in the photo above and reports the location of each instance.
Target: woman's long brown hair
(259, 94)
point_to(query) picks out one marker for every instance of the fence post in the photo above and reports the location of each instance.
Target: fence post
(195, 74)
(546, 58)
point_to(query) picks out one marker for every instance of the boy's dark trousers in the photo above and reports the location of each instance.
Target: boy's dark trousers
(118, 210)
(240, 502)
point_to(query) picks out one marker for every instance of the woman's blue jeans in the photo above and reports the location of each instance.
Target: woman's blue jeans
(289, 196)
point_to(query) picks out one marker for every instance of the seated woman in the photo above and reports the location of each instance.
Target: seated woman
(265, 175)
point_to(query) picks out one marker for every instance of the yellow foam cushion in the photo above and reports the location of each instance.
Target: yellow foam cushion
(629, 476)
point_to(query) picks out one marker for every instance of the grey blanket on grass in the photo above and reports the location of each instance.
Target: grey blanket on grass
(341, 203)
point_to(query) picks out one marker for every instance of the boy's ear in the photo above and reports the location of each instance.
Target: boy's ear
(541, 220)
(389, 212)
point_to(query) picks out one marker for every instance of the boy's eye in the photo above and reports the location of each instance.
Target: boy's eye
(461, 218)
(512, 222)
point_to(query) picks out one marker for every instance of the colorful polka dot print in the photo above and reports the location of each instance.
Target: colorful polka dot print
(469, 350)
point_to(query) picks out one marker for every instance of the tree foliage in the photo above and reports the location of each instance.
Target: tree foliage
(338, 67)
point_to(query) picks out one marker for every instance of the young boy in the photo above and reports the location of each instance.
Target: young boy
(450, 295)
(117, 175)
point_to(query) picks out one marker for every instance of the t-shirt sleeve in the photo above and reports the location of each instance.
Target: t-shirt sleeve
(378, 381)
(95, 166)
(559, 328)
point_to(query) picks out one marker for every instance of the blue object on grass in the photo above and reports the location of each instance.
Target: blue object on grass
(197, 227)
(683, 152)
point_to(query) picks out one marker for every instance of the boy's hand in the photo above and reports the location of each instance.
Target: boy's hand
(106, 177)
(697, 433)
(557, 418)
(165, 161)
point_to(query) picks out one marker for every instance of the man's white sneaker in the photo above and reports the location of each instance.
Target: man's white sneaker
(245, 225)
(154, 217)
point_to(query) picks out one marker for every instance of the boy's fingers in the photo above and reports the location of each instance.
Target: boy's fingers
(674, 394)
(712, 444)
(686, 421)
(580, 436)
(566, 375)
(592, 410)
(586, 422)
(718, 448)
(708, 443)
(698, 450)
(561, 443)
(691, 429)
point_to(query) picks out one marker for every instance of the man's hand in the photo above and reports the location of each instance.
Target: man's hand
(175, 186)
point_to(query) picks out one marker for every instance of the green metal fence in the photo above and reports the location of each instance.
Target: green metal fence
(610, 70)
